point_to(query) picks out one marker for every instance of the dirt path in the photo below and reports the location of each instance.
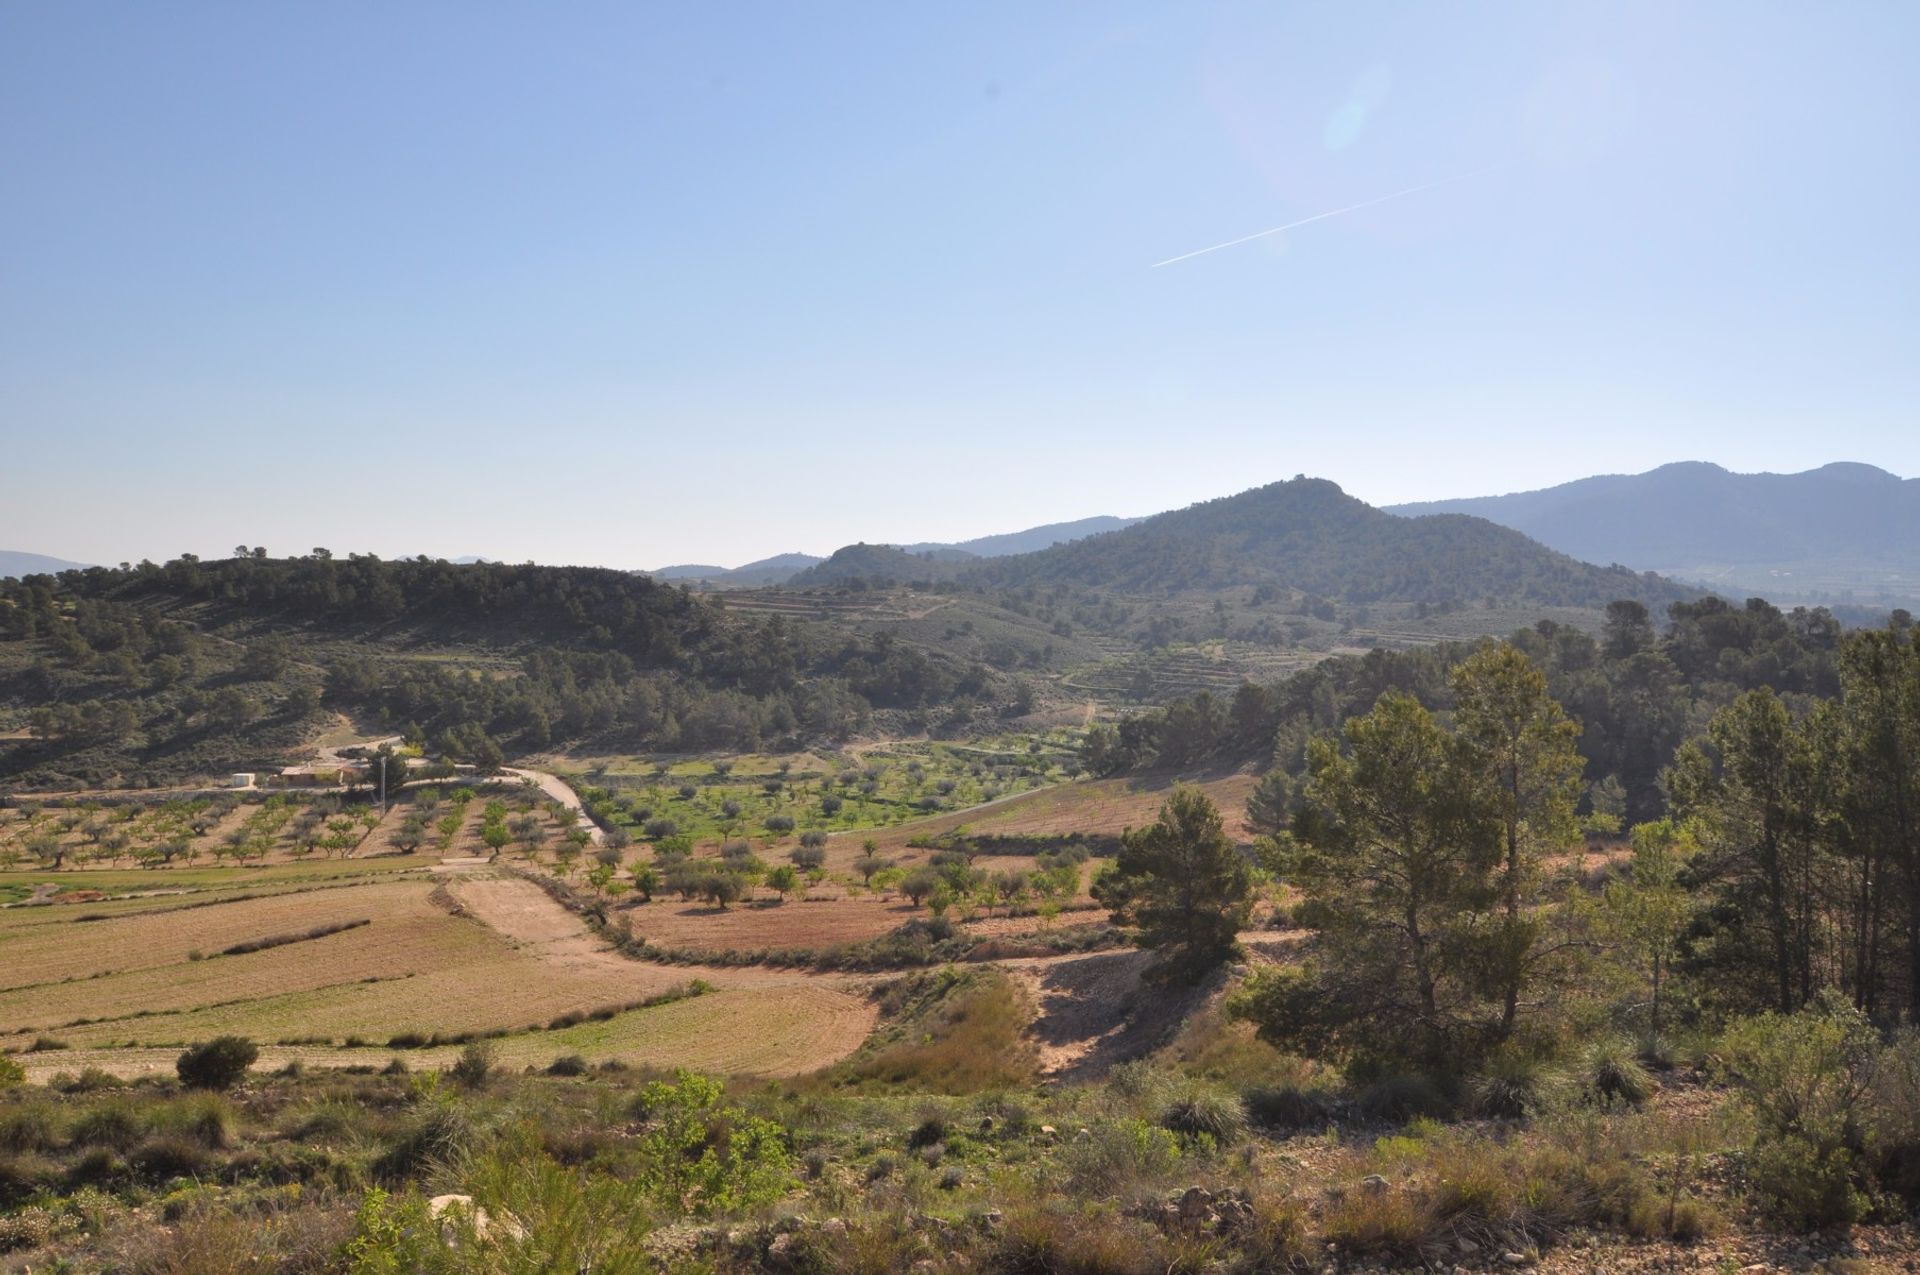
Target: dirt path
(557, 789)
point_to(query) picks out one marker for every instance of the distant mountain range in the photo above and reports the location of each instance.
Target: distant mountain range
(782, 568)
(1843, 532)
(1309, 535)
(15, 563)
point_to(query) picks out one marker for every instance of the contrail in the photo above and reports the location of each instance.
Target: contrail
(1307, 221)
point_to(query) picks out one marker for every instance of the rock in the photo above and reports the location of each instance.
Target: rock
(1512, 1258)
(992, 1219)
(441, 1206)
(1083, 1135)
(781, 1250)
(833, 1226)
(1050, 1133)
(1375, 1184)
(1466, 1246)
(1195, 1204)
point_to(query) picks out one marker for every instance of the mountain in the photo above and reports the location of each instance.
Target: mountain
(1032, 540)
(883, 564)
(15, 563)
(781, 568)
(1823, 534)
(1309, 535)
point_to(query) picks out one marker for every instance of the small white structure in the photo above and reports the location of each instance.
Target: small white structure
(240, 779)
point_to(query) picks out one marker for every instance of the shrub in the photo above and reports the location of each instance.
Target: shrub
(1806, 1077)
(1611, 1074)
(1204, 1113)
(1072, 1241)
(115, 1124)
(441, 1135)
(701, 1156)
(90, 1080)
(1286, 1108)
(474, 1065)
(1404, 1097)
(567, 1065)
(11, 1073)
(1513, 1087)
(220, 1063)
(46, 1044)
(168, 1156)
(1120, 1155)
(28, 1129)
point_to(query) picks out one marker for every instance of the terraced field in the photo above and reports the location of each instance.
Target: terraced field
(444, 950)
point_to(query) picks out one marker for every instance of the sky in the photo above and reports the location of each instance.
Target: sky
(636, 284)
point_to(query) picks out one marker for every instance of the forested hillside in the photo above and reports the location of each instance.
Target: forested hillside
(1309, 535)
(1639, 690)
(156, 672)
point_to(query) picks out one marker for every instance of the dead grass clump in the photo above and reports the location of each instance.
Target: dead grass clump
(1059, 1240)
(962, 1034)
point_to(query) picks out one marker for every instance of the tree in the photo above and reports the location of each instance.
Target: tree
(646, 880)
(919, 884)
(1180, 883)
(869, 863)
(721, 887)
(1270, 805)
(1521, 750)
(783, 880)
(1758, 828)
(1393, 857)
(1650, 909)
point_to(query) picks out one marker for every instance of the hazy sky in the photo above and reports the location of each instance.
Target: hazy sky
(638, 284)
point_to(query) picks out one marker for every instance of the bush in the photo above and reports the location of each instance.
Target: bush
(116, 1125)
(474, 1065)
(1203, 1113)
(1121, 1155)
(28, 1129)
(220, 1063)
(168, 1156)
(1806, 1078)
(567, 1065)
(1513, 1087)
(1403, 1098)
(1287, 1108)
(90, 1080)
(1612, 1075)
(11, 1073)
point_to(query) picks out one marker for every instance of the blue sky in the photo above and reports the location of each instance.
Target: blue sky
(636, 284)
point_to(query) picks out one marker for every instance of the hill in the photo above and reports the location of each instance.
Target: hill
(1310, 536)
(1032, 540)
(151, 674)
(885, 565)
(1842, 529)
(15, 564)
(782, 568)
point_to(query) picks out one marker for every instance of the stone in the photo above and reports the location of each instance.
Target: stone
(1048, 1132)
(1375, 1184)
(1195, 1204)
